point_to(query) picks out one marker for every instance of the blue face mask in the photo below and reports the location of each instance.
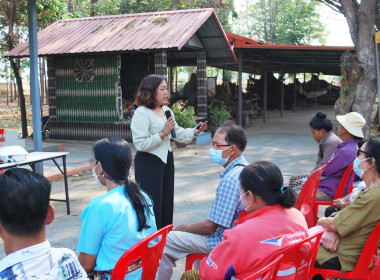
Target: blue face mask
(356, 168)
(217, 157)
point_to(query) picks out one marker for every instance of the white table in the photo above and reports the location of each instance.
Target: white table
(34, 157)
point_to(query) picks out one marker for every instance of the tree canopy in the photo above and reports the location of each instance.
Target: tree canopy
(281, 21)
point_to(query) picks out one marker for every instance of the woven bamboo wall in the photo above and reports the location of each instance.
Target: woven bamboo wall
(87, 89)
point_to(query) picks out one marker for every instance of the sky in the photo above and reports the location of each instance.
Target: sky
(336, 24)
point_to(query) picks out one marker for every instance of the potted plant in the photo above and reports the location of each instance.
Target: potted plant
(184, 118)
(218, 115)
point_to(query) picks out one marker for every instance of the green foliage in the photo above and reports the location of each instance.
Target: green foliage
(283, 22)
(184, 117)
(219, 114)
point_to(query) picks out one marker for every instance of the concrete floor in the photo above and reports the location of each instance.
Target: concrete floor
(285, 141)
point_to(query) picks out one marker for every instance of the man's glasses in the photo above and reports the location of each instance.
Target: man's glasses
(215, 145)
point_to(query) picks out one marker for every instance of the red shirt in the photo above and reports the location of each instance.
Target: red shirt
(256, 237)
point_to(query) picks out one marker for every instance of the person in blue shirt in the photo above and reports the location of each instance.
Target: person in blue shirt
(227, 147)
(117, 220)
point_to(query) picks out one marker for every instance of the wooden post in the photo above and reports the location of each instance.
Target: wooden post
(265, 73)
(282, 94)
(294, 94)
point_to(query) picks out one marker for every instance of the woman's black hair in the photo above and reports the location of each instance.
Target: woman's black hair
(116, 158)
(147, 91)
(264, 179)
(319, 122)
(373, 150)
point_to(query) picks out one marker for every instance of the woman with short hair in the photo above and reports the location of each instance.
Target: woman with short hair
(151, 132)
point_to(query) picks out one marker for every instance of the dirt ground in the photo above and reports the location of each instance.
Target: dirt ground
(10, 117)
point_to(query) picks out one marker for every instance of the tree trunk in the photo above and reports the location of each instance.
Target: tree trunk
(362, 81)
(16, 71)
(70, 6)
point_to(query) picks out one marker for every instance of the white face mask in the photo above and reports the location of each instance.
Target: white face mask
(96, 176)
(241, 200)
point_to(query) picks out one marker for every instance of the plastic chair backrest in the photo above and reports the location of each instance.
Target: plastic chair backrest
(150, 256)
(191, 258)
(2, 131)
(306, 197)
(298, 258)
(268, 272)
(340, 192)
(362, 269)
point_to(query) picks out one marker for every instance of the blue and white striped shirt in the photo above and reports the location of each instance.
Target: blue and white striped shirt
(226, 207)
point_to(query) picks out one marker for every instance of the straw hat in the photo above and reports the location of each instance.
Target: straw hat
(353, 122)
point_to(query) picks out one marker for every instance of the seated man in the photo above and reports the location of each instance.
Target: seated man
(24, 212)
(226, 149)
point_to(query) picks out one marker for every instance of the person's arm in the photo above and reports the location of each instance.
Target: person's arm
(340, 203)
(337, 162)
(204, 228)
(327, 223)
(87, 261)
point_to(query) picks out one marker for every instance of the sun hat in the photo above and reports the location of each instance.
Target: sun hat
(353, 122)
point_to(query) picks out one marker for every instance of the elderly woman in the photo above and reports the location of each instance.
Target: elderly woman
(349, 230)
(350, 130)
(152, 131)
(117, 220)
(258, 235)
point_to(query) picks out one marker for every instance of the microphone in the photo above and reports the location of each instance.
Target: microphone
(168, 115)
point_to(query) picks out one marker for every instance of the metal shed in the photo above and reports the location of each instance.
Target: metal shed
(95, 64)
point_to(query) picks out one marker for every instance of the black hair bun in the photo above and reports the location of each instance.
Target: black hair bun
(320, 115)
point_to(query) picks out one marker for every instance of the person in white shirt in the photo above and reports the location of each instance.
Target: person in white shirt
(151, 132)
(24, 213)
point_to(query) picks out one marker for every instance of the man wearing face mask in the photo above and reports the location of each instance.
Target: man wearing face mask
(226, 149)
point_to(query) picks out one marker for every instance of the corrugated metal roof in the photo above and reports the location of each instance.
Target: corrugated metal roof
(131, 32)
(286, 58)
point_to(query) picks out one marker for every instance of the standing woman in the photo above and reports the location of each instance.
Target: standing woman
(114, 222)
(151, 132)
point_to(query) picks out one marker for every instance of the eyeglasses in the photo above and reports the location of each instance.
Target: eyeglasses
(364, 152)
(241, 196)
(215, 145)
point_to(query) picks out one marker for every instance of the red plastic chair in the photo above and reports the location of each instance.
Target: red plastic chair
(191, 258)
(306, 198)
(362, 269)
(150, 256)
(348, 175)
(300, 257)
(268, 272)
(2, 131)
(296, 259)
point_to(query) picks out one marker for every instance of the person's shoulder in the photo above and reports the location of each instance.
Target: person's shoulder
(108, 199)
(66, 259)
(333, 138)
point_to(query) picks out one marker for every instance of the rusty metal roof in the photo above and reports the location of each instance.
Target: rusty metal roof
(170, 30)
(286, 58)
